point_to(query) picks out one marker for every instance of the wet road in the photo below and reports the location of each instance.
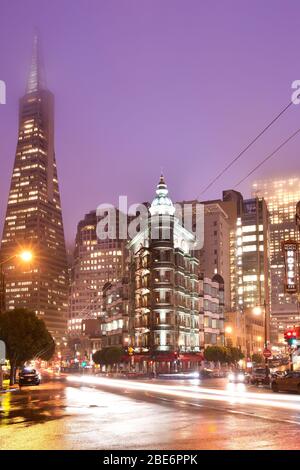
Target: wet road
(72, 415)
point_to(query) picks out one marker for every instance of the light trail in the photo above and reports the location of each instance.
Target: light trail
(240, 391)
(233, 396)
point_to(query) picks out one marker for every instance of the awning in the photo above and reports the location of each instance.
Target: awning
(168, 357)
(125, 358)
(197, 357)
(164, 357)
(141, 357)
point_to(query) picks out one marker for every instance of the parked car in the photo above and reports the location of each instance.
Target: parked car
(29, 377)
(289, 382)
(259, 377)
(274, 363)
(278, 373)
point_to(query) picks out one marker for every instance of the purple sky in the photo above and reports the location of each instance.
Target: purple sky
(140, 85)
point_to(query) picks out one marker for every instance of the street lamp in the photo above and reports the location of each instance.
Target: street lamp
(26, 256)
(262, 310)
(228, 333)
(257, 310)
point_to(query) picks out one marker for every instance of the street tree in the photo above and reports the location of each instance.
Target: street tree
(234, 355)
(26, 337)
(215, 354)
(108, 356)
(99, 357)
(257, 358)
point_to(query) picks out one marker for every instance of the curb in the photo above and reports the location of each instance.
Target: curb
(8, 390)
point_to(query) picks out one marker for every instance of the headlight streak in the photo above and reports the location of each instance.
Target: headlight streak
(239, 390)
(230, 396)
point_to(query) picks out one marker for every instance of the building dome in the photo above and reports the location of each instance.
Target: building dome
(162, 204)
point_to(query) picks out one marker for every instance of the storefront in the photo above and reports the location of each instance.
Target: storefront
(166, 362)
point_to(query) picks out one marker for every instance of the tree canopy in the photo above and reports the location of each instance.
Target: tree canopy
(108, 356)
(234, 354)
(258, 358)
(26, 337)
(215, 353)
(223, 354)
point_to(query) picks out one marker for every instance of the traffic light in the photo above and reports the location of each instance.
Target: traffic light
(291, 336)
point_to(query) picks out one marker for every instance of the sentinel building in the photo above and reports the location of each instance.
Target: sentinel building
(168, 320)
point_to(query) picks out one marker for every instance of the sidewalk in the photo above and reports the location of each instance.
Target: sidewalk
(8, 388)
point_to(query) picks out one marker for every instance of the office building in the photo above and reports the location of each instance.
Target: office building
(281, 196)
(34, 217)
(96, 262)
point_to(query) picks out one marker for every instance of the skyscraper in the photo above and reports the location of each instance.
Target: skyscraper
(214, 255)
(33, 217)
(249, 270)
(96, 262)
(252, 266)
(282, 196)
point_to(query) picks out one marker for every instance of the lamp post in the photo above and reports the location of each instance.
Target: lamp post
(26, 256)
(259, 311)
(228, 335)
(2, 283)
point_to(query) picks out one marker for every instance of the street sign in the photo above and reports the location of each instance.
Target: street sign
(267, 353)
(290, 250)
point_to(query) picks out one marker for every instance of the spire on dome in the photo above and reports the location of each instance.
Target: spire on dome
(162, 204)
(36, 79)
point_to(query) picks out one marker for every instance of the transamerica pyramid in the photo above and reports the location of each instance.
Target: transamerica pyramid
(34, 217)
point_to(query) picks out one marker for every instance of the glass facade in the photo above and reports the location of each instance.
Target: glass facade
(281, 196)
(96, 262)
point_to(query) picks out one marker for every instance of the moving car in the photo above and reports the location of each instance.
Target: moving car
(29, 377)
(290, 382)
(258, 376)
(212, 373)
(237, 376)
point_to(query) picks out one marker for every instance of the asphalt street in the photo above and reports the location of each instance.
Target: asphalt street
(62, 414)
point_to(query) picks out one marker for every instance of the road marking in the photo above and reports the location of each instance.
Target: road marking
(269, 418)
(227, 396)
(251, 414)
